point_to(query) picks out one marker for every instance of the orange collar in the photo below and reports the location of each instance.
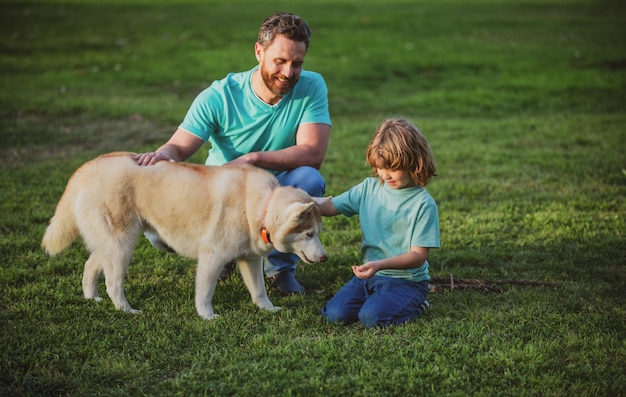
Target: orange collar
(266, 235)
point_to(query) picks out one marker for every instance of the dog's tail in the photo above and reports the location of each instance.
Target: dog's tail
(62, 230)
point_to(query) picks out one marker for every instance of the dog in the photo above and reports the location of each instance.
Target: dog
(215, 214)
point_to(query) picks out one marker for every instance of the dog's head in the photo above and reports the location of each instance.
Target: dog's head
(295, 223)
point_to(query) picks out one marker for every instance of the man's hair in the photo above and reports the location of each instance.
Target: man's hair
(399, 145)
(289, 25)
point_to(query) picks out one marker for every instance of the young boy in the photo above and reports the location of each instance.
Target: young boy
(399, 222)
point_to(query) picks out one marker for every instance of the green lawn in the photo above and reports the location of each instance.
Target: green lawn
(524, 104)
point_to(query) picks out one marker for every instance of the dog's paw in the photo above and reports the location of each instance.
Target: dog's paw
(266, 304)
(273, 308)
(127, 309)
(205, 312)
(130, 310)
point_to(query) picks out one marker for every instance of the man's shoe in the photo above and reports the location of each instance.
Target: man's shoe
(285, 282)
(425, 307)
(227, 271)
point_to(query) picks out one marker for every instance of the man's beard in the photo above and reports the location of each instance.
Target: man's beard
(274, 87)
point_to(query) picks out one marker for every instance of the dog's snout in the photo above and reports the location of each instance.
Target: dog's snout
(323, 258)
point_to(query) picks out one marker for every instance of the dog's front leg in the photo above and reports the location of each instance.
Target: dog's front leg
(252, 273)
(209, 268)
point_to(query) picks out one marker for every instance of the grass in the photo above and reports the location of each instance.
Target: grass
(522, 102)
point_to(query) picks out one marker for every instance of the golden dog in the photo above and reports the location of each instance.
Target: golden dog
(212, 214)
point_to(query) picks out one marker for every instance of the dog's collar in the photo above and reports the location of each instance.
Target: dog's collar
(265, 234)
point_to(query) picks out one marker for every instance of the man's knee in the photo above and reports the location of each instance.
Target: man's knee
(306, 178)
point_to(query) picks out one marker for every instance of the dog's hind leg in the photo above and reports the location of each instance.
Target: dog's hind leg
(207, 273)
(114, 255)
(252, 273)
(115, 271)
(91, 275)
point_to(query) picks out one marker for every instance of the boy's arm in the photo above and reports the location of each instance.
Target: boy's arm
(412, 259)
(326, 206)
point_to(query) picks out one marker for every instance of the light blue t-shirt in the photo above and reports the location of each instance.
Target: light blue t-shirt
(392, 221)
(235, 121)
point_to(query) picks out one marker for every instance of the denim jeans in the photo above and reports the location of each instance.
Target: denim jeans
(376, 301)
(310, 180)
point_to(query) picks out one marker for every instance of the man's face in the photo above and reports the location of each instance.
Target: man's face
(281, 64)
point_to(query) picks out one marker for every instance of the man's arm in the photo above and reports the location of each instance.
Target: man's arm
(310, 149)
(180, 147)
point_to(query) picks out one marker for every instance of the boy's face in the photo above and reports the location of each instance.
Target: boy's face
(395, 179)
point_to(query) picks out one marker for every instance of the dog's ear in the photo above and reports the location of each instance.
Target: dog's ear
(303, 210)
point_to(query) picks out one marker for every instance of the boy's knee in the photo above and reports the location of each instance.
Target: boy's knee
(333, 314)
(371, 319)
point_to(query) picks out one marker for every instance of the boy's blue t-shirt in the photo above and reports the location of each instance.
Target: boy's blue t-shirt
(235, 121)
(392, 221)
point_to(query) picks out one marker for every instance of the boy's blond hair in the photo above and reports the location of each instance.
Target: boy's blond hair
(399, 145)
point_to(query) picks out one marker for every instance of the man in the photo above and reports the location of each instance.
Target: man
(274, 116)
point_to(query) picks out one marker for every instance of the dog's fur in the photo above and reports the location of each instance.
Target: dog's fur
(213, 214)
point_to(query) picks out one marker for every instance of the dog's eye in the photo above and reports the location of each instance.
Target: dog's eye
(310, 235)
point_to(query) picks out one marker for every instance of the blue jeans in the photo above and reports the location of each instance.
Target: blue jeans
(310, 180)
(376, 302)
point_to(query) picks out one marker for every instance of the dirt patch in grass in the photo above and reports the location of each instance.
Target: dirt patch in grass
(39, 138)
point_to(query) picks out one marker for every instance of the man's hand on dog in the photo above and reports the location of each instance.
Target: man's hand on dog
(151, 158)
